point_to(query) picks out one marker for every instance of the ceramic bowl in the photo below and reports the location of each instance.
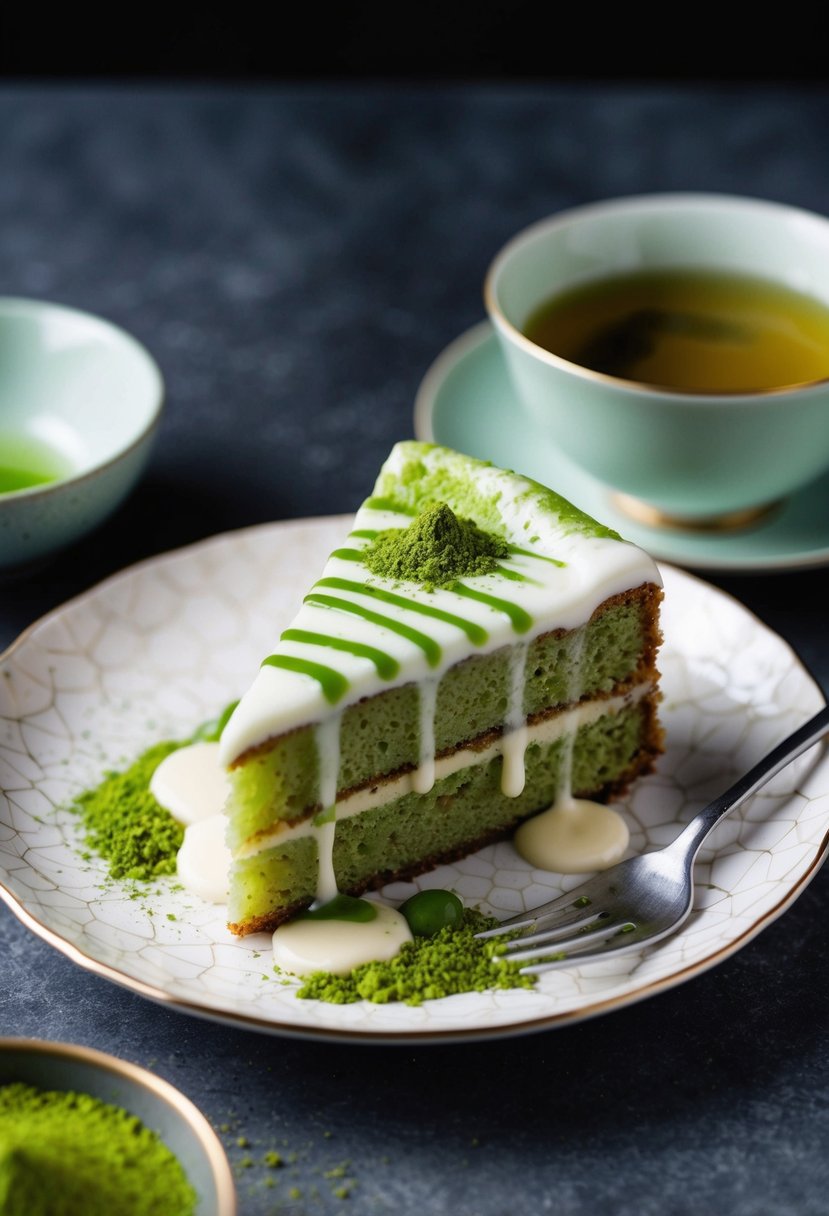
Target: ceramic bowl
(159, 1106)
(80, 403)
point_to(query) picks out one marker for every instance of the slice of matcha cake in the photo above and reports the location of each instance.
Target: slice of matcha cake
(477, 648)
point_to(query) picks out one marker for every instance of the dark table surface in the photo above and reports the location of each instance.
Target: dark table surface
(295, 257)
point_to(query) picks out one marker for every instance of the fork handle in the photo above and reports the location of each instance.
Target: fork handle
(692, 836)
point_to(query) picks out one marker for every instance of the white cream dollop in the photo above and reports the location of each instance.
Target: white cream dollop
(192, 784)
(338, 946)
(573, 836)
(203, 862)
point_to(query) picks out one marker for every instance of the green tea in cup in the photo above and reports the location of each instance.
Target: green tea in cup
(695, 330)
(673, 346)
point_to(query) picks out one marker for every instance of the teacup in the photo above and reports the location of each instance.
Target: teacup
(699, 455)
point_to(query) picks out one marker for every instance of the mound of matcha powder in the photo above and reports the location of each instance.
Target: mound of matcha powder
(427, 968)
(66, 1154)
(136, 836)
(435, 549)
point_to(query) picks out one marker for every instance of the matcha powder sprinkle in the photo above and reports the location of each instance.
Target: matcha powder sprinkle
(65, 1153)
(125, 824)
(427, 968)
(435, 549)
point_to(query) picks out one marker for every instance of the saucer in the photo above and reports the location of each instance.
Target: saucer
(462, 402)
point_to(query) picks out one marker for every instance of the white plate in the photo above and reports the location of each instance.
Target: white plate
(150, 653)
(466, 401)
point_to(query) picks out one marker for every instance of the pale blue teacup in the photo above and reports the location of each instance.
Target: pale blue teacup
(677, 458)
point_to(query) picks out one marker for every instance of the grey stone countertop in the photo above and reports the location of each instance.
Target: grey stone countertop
(295, 257)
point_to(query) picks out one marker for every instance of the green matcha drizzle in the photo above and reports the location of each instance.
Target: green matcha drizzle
(428, 645)
(64, 1153)
(387, 667)
(378, 503)
(333, 683)
(475, 633)
(541, 557)
(427, 968)
(515, 576)
(521, 620)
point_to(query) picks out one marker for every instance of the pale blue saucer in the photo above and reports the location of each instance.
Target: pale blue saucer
(465, 401)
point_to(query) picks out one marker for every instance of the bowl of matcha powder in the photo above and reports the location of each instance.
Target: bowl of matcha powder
(84, 1132)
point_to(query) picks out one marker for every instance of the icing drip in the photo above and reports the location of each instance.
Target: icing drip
(574, 835)
(424, 777)
(328, 758)
(515, 727)
(574, 684)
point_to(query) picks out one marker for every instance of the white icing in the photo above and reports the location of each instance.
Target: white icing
(328, 751)
(514, 743)
(424, 777)
(338, 946)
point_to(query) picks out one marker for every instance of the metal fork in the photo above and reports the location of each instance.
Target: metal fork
(642, 899)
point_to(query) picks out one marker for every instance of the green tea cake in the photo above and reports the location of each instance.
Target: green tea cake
(476, 647)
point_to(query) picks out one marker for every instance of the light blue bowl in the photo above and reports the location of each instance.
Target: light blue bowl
(80, 404)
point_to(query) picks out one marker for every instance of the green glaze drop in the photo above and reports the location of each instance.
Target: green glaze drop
(435, 549)
(342, 907)
(334, 685)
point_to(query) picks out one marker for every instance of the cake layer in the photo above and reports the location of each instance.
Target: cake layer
(381, 735)
(407, 833)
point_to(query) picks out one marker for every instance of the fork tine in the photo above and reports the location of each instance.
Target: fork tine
(580, 898)
(537, 944)
(618, 943)
(571, 923)
(570, 914)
